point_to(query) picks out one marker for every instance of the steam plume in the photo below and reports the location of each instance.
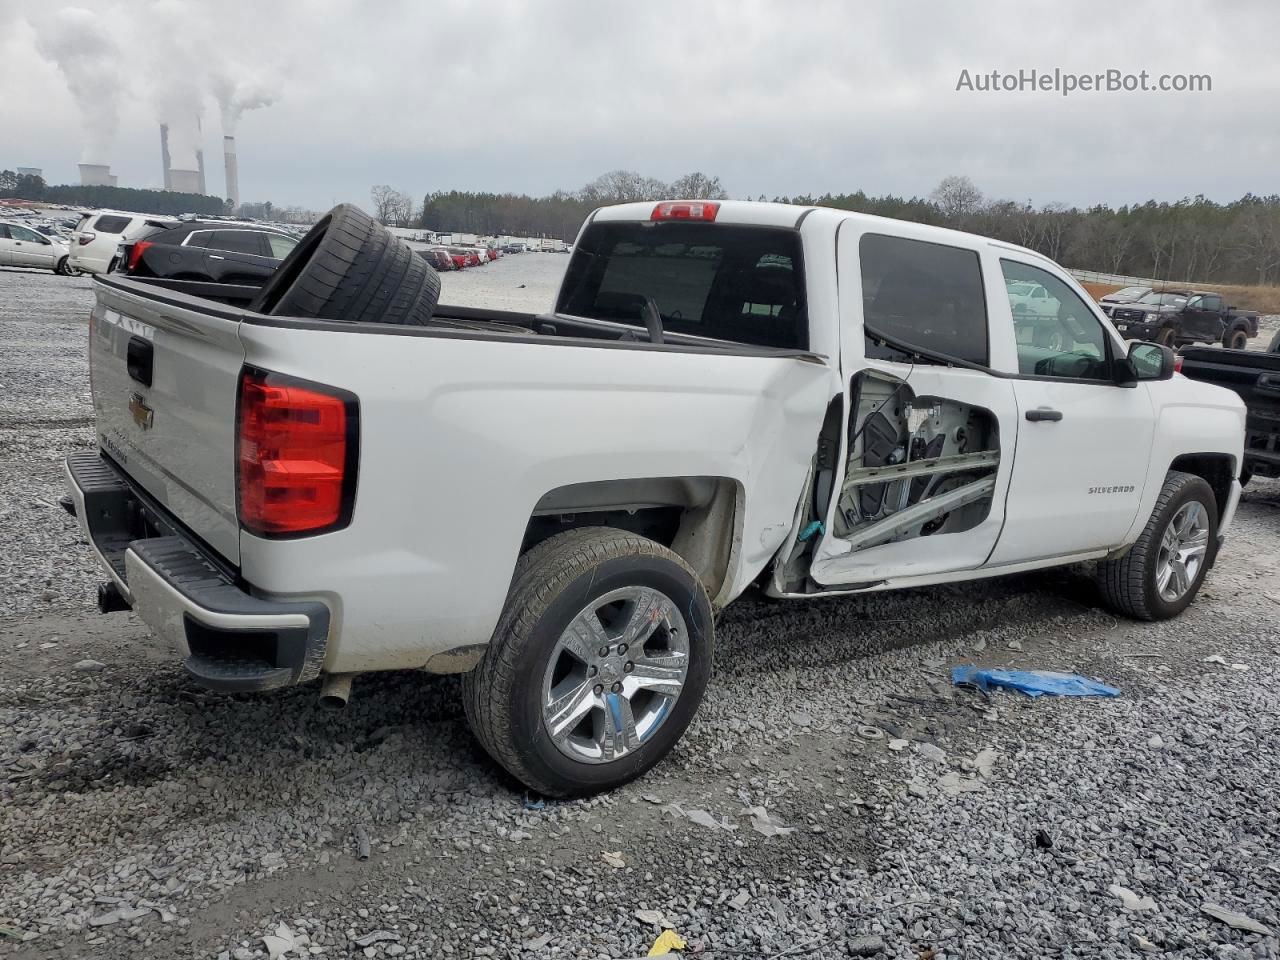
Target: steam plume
(79, 42)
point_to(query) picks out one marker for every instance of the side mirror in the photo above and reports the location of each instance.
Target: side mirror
(1150, 361)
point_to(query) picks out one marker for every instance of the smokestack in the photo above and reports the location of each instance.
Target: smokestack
(200, 155)
(95, 175)
(233, 177)
(164, 155)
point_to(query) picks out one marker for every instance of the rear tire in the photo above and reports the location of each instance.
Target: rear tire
(1132, 585)
(1165, 337)
(1236, 339)
(64, 268)
(529, 678)
(349, 267)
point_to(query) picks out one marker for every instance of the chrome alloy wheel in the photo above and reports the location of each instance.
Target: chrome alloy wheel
(615, 674)
(1183, 549)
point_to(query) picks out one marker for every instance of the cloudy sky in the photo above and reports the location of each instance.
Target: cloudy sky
(775, 98)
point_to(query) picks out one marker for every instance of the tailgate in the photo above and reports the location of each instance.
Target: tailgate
(165, 375)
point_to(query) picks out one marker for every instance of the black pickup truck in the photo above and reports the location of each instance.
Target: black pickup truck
(1177, 317)
(1256, 377)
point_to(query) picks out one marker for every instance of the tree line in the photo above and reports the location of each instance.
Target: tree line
(558, 215)
(168, 202)
(1193, 239)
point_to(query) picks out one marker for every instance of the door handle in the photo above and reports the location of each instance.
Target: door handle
(1044, 413)
(139, 360)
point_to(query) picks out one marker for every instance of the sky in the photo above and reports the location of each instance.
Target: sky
(775, 98)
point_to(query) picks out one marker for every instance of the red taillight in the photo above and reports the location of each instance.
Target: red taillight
(135, 251)
(686, 210)
(86, 238)
(1177, 363)
(296, 455)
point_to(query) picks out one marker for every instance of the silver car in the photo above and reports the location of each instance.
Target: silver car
(20, 246)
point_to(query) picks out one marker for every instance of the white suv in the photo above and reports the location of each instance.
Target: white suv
(20, 246)
(99, 235)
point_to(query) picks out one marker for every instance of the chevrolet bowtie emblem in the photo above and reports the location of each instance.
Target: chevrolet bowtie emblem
(142, 414)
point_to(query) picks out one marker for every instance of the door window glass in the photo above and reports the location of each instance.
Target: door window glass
(1060, 337)
(925, 295)
(22, 233)
(237, 241)
(281, 246)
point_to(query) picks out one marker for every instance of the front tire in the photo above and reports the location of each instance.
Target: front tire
(65, 269)
(597, 666)
(1162, 572)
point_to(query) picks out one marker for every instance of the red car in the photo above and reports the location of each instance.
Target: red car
(443, 259)
(463, 258)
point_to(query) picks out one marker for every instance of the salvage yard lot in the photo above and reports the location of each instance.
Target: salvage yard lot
(141, 817)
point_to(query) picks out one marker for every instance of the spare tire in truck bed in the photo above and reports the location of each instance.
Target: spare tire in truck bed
(350, 267)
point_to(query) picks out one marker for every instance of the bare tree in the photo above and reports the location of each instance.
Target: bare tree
(1114, 240)
(384, 201)
(1258, 238)
(698, 186)
(621, 186)
(402, 209)
(957, 198)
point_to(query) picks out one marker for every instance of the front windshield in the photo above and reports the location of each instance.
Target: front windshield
(1129, 293)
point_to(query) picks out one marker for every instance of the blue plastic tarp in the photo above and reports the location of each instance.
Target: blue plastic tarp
(1033, 683)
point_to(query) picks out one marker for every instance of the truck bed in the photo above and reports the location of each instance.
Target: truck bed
(230, 302)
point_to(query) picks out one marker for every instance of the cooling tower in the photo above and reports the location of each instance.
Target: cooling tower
(184, 181)
(95, 175)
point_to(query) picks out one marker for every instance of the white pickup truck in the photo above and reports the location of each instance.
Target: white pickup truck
(802, 399)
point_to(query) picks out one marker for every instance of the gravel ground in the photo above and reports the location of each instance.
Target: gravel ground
(141, 817)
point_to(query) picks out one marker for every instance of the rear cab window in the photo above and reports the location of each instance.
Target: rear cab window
(731, 282)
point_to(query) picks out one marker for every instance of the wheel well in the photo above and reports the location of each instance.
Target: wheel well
(1216, 469)
(694, 516)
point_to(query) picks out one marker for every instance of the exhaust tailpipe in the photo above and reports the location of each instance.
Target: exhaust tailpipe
(335, 690)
